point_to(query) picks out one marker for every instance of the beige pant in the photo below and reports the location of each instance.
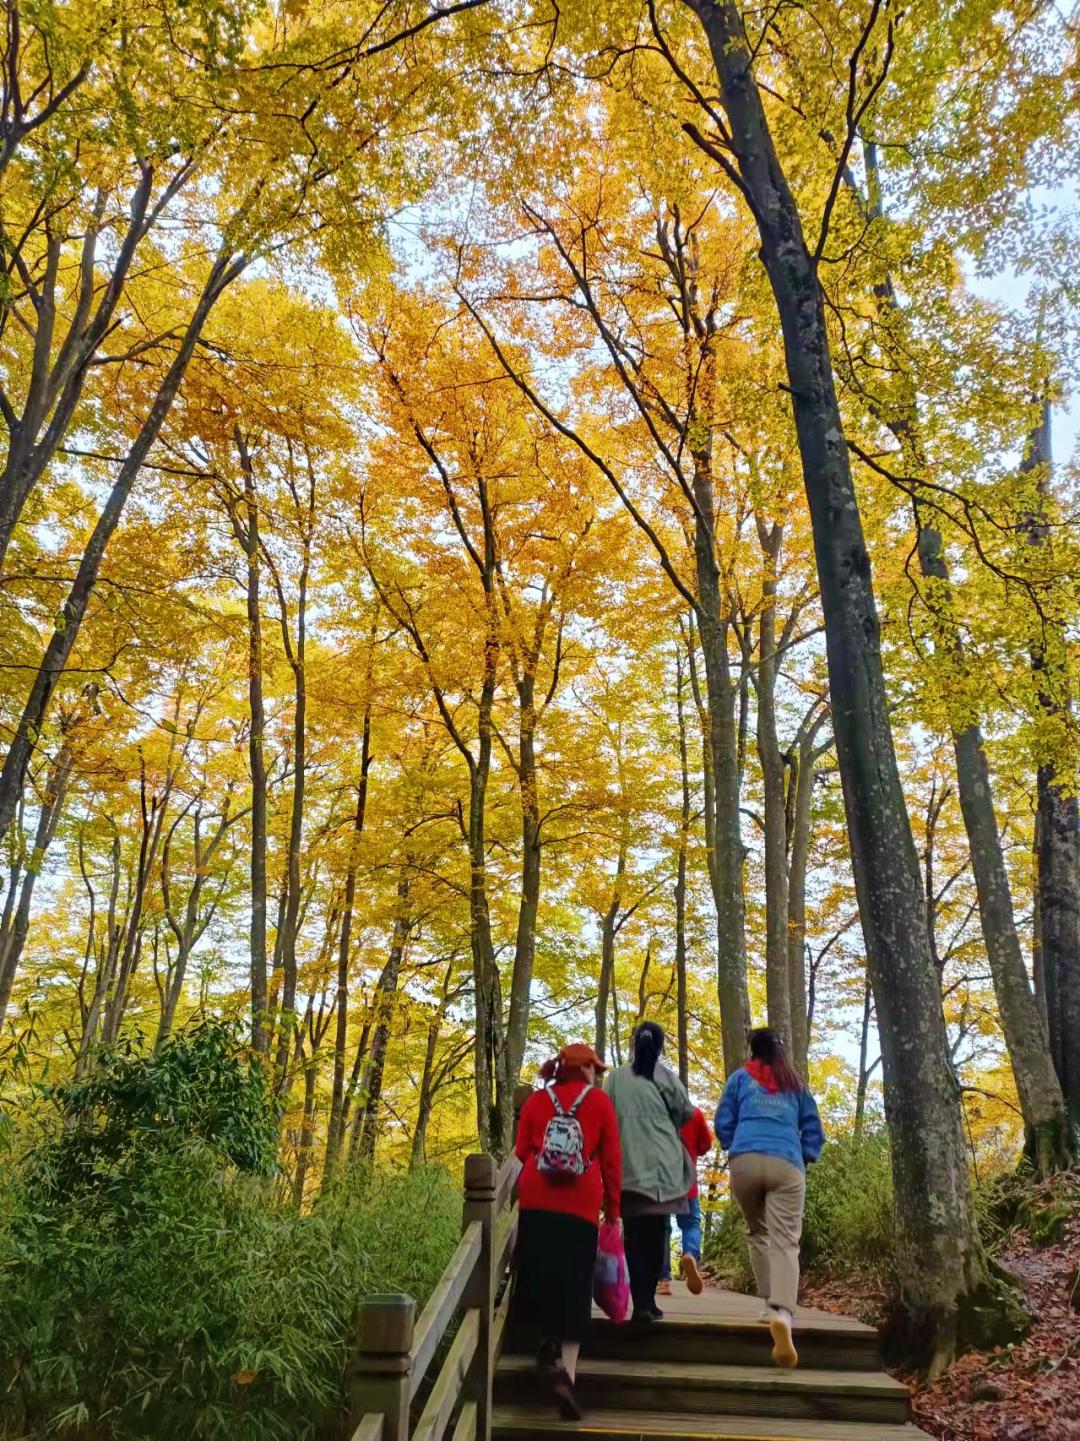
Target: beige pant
(770, 1193)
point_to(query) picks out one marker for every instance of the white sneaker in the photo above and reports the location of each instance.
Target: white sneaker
(784, 1353)
(783, 1346)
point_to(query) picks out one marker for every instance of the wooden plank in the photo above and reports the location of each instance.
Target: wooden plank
(465, 1429)
(506, 1228)
(504, 1182)
(724, 1390)
(696, 1373)
(519, 1423)
(431, 1327)
(498, 1329)
(716, 1304)
(447, 1389)
(370, 1428)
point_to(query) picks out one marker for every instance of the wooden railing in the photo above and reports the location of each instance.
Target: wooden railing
(395, 1350)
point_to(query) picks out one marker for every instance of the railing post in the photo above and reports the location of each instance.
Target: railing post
(481, 1175)
(382, 1372)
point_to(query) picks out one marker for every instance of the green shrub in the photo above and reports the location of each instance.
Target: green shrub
(848, 1223)
(167, 1289)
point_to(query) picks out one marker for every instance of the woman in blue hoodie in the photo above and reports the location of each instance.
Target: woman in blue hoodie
(768, 1123)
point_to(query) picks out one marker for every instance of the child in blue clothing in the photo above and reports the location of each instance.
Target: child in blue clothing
(768, 1123)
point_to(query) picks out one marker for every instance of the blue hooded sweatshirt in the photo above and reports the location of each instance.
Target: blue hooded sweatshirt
(755, 1116)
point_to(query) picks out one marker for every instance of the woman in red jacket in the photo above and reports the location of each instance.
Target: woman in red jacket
(571, 1171)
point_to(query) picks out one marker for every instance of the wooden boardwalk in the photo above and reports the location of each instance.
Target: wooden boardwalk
(702, 1373)
(705, 1373)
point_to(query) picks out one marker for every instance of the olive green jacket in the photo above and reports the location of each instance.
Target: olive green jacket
(655, 1163)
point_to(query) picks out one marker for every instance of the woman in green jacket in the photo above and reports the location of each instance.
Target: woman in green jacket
(651, 1105)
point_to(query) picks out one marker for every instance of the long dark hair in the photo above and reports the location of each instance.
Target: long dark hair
(648, 1043)
(766, 1046)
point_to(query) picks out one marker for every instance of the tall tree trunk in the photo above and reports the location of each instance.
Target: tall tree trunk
(721, 693)
(385, 998)
(106, 968)
(608, 924)
(492, 1131)
(244, 515)
(60, 365)
(336, 1130)
(13, 939)
(153, 817)
(777, 969)
(800, 797)
(307, 1131)
(1045, 1123)
(1037, 1086)
(940, 1257)
(1057, 827)
(517, 1025)
(428, 1080)
(353, 1094)
(296, 656)
(865, 1071)
(73, 611)
(680, 879)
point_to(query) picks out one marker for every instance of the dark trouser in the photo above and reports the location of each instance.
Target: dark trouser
(644, 1238)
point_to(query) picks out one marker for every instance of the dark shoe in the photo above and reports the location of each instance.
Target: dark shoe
(642, 1320)
(655, 1312)
(545, 1357)
(563, 1389)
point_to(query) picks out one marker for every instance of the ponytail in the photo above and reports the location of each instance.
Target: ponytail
(648, 1043)
(549, 1070)
(767, 1047)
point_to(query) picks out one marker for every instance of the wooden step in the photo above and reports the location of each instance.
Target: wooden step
(529, 1423)
(739, 1342)
(703, 1388)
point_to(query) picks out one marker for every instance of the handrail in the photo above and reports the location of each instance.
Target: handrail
(444, 1301)
(504, 1182)
(370, 1428)
(506, 1229)
(395, 1350)
(447, 1389)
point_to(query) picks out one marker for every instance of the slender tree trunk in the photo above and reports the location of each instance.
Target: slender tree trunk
(153, 817)
(426, 1099)
(297, 656)
(73, 611)
(680, 880)
(307, 1131)
(1057, 827)
(59, 367)
(529, 903)
(940, 1256)
(608, 924)
(14, 939)
(384, 1012)
(493, 1117)
(1043, 1107)
(777, 970)
(336, 1130)
(1038, 970)
(864, 1074)
(727, 872)
(801, 801)
(106, 968)
(353, 1092)
(245, 521)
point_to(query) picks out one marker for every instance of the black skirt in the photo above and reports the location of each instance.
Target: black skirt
(553, 1275)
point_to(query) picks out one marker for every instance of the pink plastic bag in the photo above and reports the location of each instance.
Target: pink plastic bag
(611, 1275)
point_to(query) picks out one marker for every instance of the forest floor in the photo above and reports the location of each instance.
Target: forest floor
(1029, 1391)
